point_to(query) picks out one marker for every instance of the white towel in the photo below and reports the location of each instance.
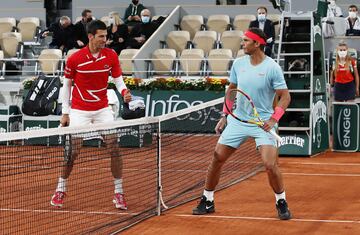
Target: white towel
(136, 102)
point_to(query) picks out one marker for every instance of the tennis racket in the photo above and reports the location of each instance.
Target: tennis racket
(237, 99)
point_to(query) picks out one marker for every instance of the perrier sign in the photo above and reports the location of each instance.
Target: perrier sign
(345, 127)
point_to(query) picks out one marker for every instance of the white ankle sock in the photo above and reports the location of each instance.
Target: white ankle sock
(61, 185)
(209, 195)
(280, 196)
(118, 186)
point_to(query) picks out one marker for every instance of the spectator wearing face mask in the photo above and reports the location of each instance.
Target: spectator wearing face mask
(344, 75)
(265, 25)
(142, 32)
(80, 28)
(62, 34)
(333, 10)
(117, 33)
(353, 22)
(133, 13)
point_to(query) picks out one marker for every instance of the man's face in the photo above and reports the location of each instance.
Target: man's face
(99, 39)
(88, 17)
(261, 11)
(249, 45)
(66, 24)
(352, 9)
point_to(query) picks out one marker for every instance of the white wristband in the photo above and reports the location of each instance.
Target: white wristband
(66, 95)
(120, 85)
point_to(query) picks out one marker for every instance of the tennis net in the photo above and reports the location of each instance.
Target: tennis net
(164, 162)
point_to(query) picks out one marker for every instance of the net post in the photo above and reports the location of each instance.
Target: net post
(158, 159)
(160, 201)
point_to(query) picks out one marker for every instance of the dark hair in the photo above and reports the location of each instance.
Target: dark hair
(262, 8)
(353, 6)
(260, 33)
(95, 25)
(84, 12)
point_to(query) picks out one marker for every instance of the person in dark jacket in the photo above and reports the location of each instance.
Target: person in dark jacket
(142, 32)
(133, 13)
(63, 35)
(267, 26)
(80, 29)
(117, 33)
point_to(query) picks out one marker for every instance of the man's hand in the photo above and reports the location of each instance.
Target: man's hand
(108, 42)
(220, 126)
(44, 35)
(140, 39)
(65, 120)
(127, 96)
(136, 18)
(269, 124)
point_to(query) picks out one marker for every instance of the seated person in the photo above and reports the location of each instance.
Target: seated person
(334, 10)
(353, 22)
(117, 33)
(80, 29)
(132, 13)
(344, 75)
(63, 34)
(265, 25)
(142, 32)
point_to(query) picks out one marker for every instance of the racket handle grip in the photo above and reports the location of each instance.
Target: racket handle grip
(277, 137)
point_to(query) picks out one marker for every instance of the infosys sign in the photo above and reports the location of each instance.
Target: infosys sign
(346, 127)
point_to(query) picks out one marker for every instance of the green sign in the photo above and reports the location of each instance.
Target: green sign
(319, 124)
(345, 127)
(159, 102)
(35, 123)
(294, 143)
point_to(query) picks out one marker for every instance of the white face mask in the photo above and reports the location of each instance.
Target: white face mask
(332, 3)
(111, 21)
(261, 17)
(342, 54)
(352, 14)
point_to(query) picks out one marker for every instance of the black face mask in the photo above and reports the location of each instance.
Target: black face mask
(135, 2)
(88, 20)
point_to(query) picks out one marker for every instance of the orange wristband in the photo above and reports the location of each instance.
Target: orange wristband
(278, 113)
(229, 104)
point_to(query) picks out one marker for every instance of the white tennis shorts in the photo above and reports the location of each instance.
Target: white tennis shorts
(81, 117)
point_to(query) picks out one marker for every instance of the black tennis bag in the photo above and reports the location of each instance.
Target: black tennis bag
(43, 95)
(137, 109)
(132, 114)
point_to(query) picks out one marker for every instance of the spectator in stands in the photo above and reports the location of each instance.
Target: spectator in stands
(133, 13)
(80, 28)
(265, 25)
(62, 34)
(333, 10)
(344, 75)
(142, 32)
(117, 33)
(353, 22)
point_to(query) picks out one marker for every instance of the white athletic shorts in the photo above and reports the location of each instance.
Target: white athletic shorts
(81, 117)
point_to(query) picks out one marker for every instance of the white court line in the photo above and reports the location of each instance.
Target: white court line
(324, 163)
(321, 174)
(269, 219)
(65, 211)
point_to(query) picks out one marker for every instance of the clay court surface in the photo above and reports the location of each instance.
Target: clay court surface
(322, 191)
